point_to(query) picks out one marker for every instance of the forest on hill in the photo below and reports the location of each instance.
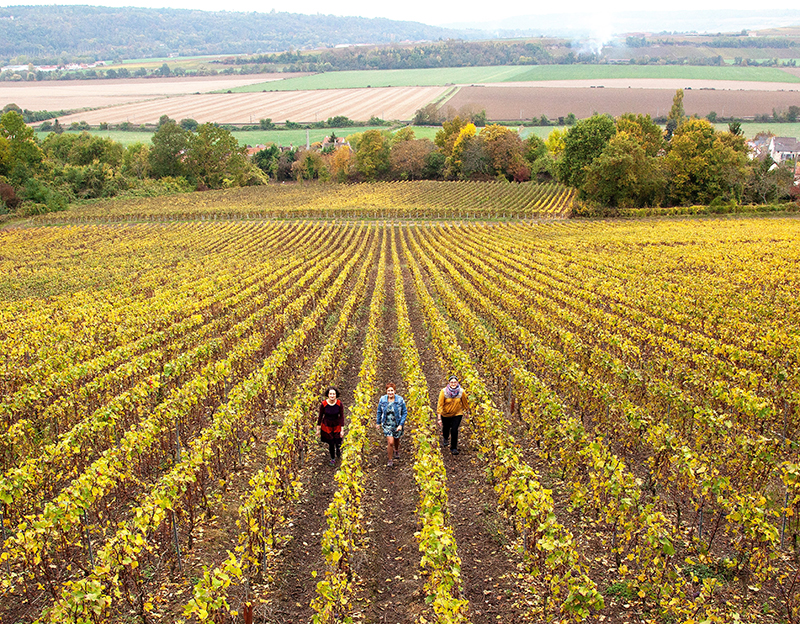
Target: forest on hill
(52, 34)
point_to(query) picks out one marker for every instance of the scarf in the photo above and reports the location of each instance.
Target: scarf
(452, 393)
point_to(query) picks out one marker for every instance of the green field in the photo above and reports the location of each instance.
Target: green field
(294, 137)
(250, 137)
(126, 138)
(751, 128)
(523, 73)
(389, 78)
(298, 137)
(684, 72)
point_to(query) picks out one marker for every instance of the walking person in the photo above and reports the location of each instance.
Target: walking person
(450, 410)
(331, 422)
(391, 418)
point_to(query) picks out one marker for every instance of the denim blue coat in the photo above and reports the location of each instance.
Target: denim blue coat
(400, 413)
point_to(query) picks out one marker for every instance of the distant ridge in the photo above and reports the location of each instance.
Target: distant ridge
(52, 33)
(588, 24)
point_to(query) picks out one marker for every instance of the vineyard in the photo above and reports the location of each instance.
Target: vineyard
(631, 452)
(410, 200)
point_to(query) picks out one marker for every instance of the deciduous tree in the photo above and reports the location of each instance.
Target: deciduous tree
(584, 142)
(267, 160)
(625, 175)
(460, 145)
(406, 133)
(408, 158)
(168, 152)
(768, 181)
(555, 142)
(372, 155)
(309, 165)
(25, 155)
(215, 159)
(446, 137)
(506, 152)
(342, 164)
(136, 161)
(646, 132)
(677, 112)
(704, 164)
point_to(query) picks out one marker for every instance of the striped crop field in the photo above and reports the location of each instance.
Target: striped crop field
(630, 453)
(379, 200)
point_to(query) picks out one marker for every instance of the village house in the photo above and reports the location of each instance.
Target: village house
(782, 149)
(336, 142)
(759, 145)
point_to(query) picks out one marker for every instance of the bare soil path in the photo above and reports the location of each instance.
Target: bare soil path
(295, 585)
(390, 570)
(484, 538)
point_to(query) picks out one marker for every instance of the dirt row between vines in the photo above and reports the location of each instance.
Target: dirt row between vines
(587, 540)
(483, 536)
(288, 597)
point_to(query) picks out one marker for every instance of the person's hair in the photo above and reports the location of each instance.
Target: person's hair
(328, 391)
(390, 385)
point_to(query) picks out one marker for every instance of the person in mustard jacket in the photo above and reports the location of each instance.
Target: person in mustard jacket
(450, 410)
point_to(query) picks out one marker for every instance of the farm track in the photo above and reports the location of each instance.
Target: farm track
(293, 590)
(391, 584)
(485, 541)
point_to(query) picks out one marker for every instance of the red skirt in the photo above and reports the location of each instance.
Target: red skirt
(330, 431)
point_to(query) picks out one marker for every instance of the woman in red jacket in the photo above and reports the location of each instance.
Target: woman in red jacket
(331, 422)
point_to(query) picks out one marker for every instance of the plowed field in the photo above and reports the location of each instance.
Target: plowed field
(530, 102)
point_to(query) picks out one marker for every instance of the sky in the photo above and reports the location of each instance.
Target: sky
(434, 13)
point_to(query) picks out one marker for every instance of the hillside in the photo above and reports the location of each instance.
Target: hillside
(52, 33)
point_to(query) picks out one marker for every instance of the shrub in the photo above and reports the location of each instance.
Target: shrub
(8, 196)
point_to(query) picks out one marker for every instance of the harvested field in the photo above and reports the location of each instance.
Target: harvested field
(657, 83)
(79, 94)
(518, 102)
(300, 106)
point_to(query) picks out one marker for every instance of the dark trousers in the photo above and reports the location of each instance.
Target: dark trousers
(335, 448)
(450, 429)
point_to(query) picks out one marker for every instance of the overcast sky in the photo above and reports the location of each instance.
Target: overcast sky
(436, 13)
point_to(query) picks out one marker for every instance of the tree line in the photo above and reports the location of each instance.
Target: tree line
(42, 176)
(631, 162)
(449, 53)
(625, 162)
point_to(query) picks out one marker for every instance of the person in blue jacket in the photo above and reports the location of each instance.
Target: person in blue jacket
(391, 418)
